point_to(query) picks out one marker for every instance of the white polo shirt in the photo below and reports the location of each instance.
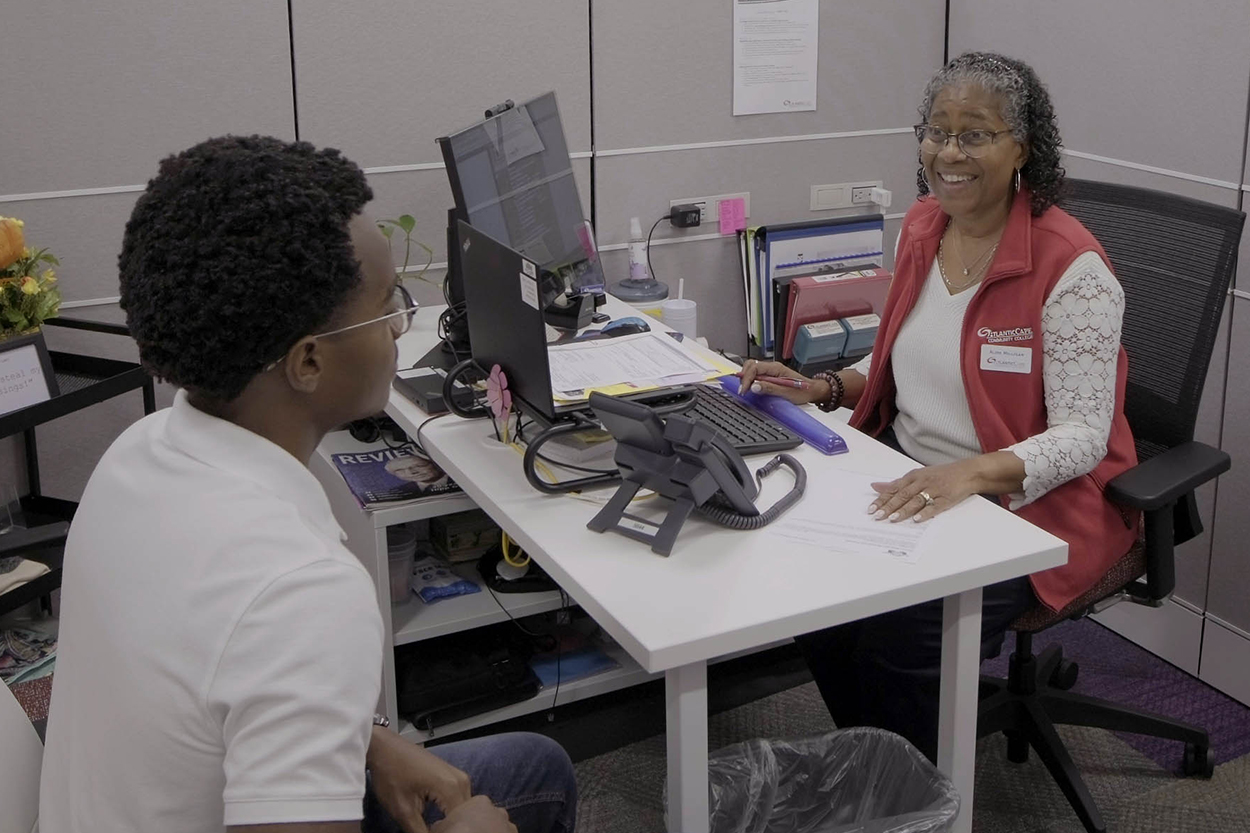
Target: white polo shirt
(220, 649)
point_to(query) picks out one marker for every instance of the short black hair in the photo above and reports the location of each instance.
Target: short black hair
(1026, 110)
(238, 248)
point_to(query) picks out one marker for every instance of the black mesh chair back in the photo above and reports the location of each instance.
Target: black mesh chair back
(1175, 258)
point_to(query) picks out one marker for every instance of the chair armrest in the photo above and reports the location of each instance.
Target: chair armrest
(1164, 479)
(21, 541)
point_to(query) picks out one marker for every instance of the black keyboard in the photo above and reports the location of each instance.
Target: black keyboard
(747, 429)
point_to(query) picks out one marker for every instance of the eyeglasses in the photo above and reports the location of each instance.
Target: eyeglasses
(404, 309)
(972, 143)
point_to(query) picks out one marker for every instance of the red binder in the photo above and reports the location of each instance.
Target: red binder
(825, 297)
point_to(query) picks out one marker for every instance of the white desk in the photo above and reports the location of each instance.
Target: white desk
(722, 592)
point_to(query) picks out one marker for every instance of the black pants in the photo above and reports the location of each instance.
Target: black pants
(885, 671)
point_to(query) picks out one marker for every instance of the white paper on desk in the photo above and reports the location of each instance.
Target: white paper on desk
(775, 56)
(840, 523)
(643, 358)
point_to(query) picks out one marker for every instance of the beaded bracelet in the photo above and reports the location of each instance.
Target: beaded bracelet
(836, 391)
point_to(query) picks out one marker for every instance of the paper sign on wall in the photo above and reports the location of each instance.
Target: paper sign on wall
(775, 46)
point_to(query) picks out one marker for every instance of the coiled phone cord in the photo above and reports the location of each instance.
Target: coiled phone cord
(717, 511)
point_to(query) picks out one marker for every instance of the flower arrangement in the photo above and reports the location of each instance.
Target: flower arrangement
(28, 292)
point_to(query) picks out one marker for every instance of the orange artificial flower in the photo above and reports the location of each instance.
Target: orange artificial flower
(12, 243)
(29, 285)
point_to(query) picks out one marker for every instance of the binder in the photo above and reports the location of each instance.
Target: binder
(816, 298)
(773, 256)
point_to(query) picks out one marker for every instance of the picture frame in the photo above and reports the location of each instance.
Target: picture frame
(26, 375)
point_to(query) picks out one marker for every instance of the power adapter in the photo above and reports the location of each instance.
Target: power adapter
(685, 215)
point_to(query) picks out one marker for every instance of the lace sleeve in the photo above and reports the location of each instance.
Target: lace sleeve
(1080, 344)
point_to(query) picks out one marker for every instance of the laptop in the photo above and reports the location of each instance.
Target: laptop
(504, 294)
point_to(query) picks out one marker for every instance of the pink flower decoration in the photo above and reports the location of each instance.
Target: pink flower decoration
(497, 394)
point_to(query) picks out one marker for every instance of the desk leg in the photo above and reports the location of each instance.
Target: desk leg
(957, 714)
(686, 697)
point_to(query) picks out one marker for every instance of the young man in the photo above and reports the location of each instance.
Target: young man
(220, 649)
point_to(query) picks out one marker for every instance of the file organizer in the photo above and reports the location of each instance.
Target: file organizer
(774, 256)
(826, 297)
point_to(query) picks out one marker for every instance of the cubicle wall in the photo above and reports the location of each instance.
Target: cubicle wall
(664, 129)
(383, 85)
(93, 96)
(1179, 126)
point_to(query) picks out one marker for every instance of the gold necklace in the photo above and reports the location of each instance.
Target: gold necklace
(955, 288)
(975, 270)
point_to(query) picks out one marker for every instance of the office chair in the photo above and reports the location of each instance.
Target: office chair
(1175, 258)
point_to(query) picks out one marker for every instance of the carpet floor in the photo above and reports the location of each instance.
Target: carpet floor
(1134, 780)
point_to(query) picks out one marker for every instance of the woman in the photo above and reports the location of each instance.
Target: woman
(997, 367)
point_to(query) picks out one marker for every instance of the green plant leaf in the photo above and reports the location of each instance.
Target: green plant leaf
(387, 231)
(407, 222)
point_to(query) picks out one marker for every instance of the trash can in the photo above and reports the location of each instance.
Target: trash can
(859, 780)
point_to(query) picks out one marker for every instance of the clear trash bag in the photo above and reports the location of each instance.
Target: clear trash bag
(859, 780)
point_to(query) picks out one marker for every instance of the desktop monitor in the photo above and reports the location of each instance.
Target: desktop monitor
(511, 178)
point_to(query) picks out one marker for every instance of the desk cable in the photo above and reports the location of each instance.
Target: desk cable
(565, 604)
(653, 226)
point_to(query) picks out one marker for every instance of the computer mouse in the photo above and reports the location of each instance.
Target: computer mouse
(508, 572)
(628, 326)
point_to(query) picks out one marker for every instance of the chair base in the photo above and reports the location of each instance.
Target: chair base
(1034, 698)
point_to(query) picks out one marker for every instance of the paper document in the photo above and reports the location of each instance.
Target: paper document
(643, 359)
(775, 56)
(841, 523)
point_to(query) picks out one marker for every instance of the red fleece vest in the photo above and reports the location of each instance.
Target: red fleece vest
(1003, 316)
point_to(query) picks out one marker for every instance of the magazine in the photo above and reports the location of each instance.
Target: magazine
(387, 476)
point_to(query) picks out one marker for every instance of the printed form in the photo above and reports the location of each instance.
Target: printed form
(639, 359)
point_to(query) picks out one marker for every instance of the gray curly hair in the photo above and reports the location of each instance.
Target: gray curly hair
(1026, 109)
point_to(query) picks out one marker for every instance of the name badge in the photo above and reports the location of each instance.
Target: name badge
(1006, 359)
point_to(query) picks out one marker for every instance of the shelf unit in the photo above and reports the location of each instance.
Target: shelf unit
(414, 620)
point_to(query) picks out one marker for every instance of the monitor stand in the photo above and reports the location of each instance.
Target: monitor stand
(439, 357)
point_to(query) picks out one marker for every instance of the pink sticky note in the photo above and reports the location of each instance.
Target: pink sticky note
(733, 215)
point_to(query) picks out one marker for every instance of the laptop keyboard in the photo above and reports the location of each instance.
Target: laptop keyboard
(748, 430)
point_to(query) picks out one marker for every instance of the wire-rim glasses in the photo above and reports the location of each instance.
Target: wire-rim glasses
(400, 319)
(972, 143)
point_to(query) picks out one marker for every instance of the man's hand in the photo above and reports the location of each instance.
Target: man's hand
(407, 776)
(477, 815)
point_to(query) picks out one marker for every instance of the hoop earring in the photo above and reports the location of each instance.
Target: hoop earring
(1017, 191)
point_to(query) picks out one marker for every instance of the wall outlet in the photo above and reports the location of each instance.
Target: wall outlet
(709, 207)
(842, 195)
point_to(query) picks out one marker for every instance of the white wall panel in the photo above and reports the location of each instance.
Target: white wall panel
(383, 84)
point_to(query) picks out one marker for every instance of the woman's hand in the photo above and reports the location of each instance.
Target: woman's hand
(407, 776)
(922, 493)
(814, 390)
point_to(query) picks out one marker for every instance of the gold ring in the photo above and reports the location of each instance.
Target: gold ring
(927, 500)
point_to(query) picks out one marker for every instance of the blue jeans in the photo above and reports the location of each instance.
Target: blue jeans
(528, 775)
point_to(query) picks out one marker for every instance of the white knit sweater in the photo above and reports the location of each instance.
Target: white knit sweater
(1080, 347)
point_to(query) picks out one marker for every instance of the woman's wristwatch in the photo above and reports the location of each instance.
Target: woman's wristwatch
(836, 390)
